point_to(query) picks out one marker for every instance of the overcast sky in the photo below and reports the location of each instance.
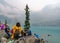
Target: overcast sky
(46, 10)
(35, 5)
(11, 7)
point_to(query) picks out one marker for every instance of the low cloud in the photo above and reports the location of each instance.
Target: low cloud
(8, 10)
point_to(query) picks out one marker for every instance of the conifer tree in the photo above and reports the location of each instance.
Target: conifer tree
(27, 23)
(5, 22)
(0, 22)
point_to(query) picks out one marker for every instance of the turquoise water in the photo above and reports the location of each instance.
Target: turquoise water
(43, 32)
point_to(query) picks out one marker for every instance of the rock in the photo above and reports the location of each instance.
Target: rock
(4, 40)
(30, 39)
(20, 40)
(27, 39)
(2, 33)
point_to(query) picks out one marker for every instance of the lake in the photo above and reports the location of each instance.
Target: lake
(43, 32)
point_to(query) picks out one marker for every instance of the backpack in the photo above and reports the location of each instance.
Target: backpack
(16, 34)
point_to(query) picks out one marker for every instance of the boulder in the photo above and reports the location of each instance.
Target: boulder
(4, 40)
(30, 39)
(2, 33)
(27, 39)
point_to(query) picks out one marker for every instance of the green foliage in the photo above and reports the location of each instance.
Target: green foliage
(0, 22)
(27, 23)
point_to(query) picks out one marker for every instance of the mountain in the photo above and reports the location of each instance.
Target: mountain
(10, 21)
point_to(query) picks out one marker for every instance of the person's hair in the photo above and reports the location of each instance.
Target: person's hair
(18, 24)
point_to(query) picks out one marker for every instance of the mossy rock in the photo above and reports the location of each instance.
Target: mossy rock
(5, 36)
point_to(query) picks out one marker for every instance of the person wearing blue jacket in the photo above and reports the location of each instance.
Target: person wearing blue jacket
(7, 30)
(29, 32)
(36, 35)
(37, 38)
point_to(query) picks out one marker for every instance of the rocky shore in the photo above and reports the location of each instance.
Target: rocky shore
(27, 39)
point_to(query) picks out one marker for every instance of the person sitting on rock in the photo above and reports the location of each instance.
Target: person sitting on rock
(1, 26)
(7, 30)
(37, 38)
(29, 32)
(36, 35)
(17, 30)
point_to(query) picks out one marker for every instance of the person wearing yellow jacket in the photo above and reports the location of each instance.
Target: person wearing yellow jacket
(16, 30)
